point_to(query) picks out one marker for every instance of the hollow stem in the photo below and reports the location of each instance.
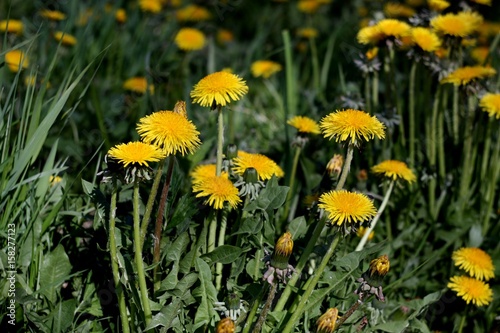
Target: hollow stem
(151, 200)
(220, 140)
(266, 308)
(291, 192)
(411, 112)
(222, 236)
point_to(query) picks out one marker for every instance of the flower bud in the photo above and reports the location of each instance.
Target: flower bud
(326, 323)
(334, 166)
(226, 325)
(231, 151)
(180, 108)
(282, 251)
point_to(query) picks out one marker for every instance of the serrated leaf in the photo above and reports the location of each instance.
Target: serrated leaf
(271, 197)
(207, 292)
(298, 227)
(391, 327)
(250, 226)
(88, 187)
(224, 254)
(166, 316)
(178, 247)
(54, 271)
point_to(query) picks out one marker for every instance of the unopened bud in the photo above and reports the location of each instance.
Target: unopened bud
(180, 108)
(282, 251)
(226, 325)
(326, 323)
(334, 166)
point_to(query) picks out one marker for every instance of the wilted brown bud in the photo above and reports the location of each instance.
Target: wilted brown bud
(326, 323)
(380, 266)
(226, 325)
(334, 166)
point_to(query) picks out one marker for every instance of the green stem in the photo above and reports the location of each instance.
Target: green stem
(315, 65)
(347, 167)
(151, 200)
(258, 257)
(375, 92)
(363, 240)
(490, 197)
(266, 308)
(394, 92)
(468, 165)
(113, 251)
(456, 125)
(222, 236)
(486, 151)
(290, 80)
(220, 140)
(431, 129)
(253, 311)
(159, 222)
(212, 233)
(462, 323)
(411, 112)
(290, 195)
(313, 281)
(138, 256)
(367, 94)
(440, 126)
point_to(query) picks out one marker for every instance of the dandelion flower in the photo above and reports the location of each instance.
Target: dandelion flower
(193, 13)
(121, 15)
(150, 6)
(307, 33)
(173, 132)
(427, 40)
(264, 68)
(475, 262)
(394, 170)
(218, 88)
(380, 266)
(202, 172)
(371, 53)
(459, 25)
(264, 166)
(138, 85)
(394, 9)
(224, 36)
(304, 125)
(393, 28)
(491, 103)
(464, 75)
(53, 15)
(471, 290)
(361, 232)
(218, 189)
(352, 125)
(438, 5)
(326, 323)
(12, 26)
(369, 35)
(64, 38)
(16, 60)
(136, 153)
(284, 245)
(190, 39)
(345, 207)
(480, 54)
(308, 6)
(225, 325)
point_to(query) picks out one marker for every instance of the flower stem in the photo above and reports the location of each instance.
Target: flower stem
(222, 235)
(151, 200)
(113, 251)
(375, 92)
(290, 79)
(258, 257)
(367, 94)
(462, 323)
(220, 140)
(455, 115)
(315, 66)
(349, 313)
(347, 167)
(159, 222)
(490, 197)
(212, 233)
(411, 112)
(468, 165)
(138, 256)
(290, 195)
(253, 311)
(310, 288)
(363, 240)
(266, 308)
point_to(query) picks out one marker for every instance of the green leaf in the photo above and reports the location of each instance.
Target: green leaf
(271, 197)
(250, 226)
(61, 318)
(391, 327)
(352, 260)
(167, 315)
(207, 292)
(224, 254)
(178, 247)
(54, 271)
(298, 227)
(88, 187)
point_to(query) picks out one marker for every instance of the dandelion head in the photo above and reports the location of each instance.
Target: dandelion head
(265, 167)
(326, 323)
(150, 6)
(138, 85)
(138, 153)
(219, 88)
(193, 13)
(393, 28)
(424, 38)
(64, 38)
(12, 26)
(347, 208)
(394, 170)
(217, 190)
(304, 125)
(491, 103)
(16, 60)
(464, 75)
(370, 35)
(438, 5)
(475, 262)
(190, 39)
(264, 68)
(53, 15)
(471, 290)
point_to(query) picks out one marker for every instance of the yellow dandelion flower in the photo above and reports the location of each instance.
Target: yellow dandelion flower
(202, 172)
(121, 15)
(369, 35)
(483, 2)
(225, 325)
(438, 5)
(395, 9)
(480, 54)
(138, 85)
(475, 262)
(427, 40)
(345, 207)
(362, 231)
(192, 13)
(459, 25)
(54, 180)
(393, 28)
(264, 166)
(442, 53)
(64, 38)
(224, 36)
(471, 290)
(30, 81)
(307, 33)
(491, 103)
(394, 170)
(464, 75)
(304, 125)
(351, 125)
(136, 153)
(150, 6)
(12, 26)
(218, 189)
(190, 39)
(171, 131)
(284, 245)
(16, 60)
(218, 88)
(326, 323)
(264, 68)
(53, 15)
(371, 53)
(308, 6)
(380, 266)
